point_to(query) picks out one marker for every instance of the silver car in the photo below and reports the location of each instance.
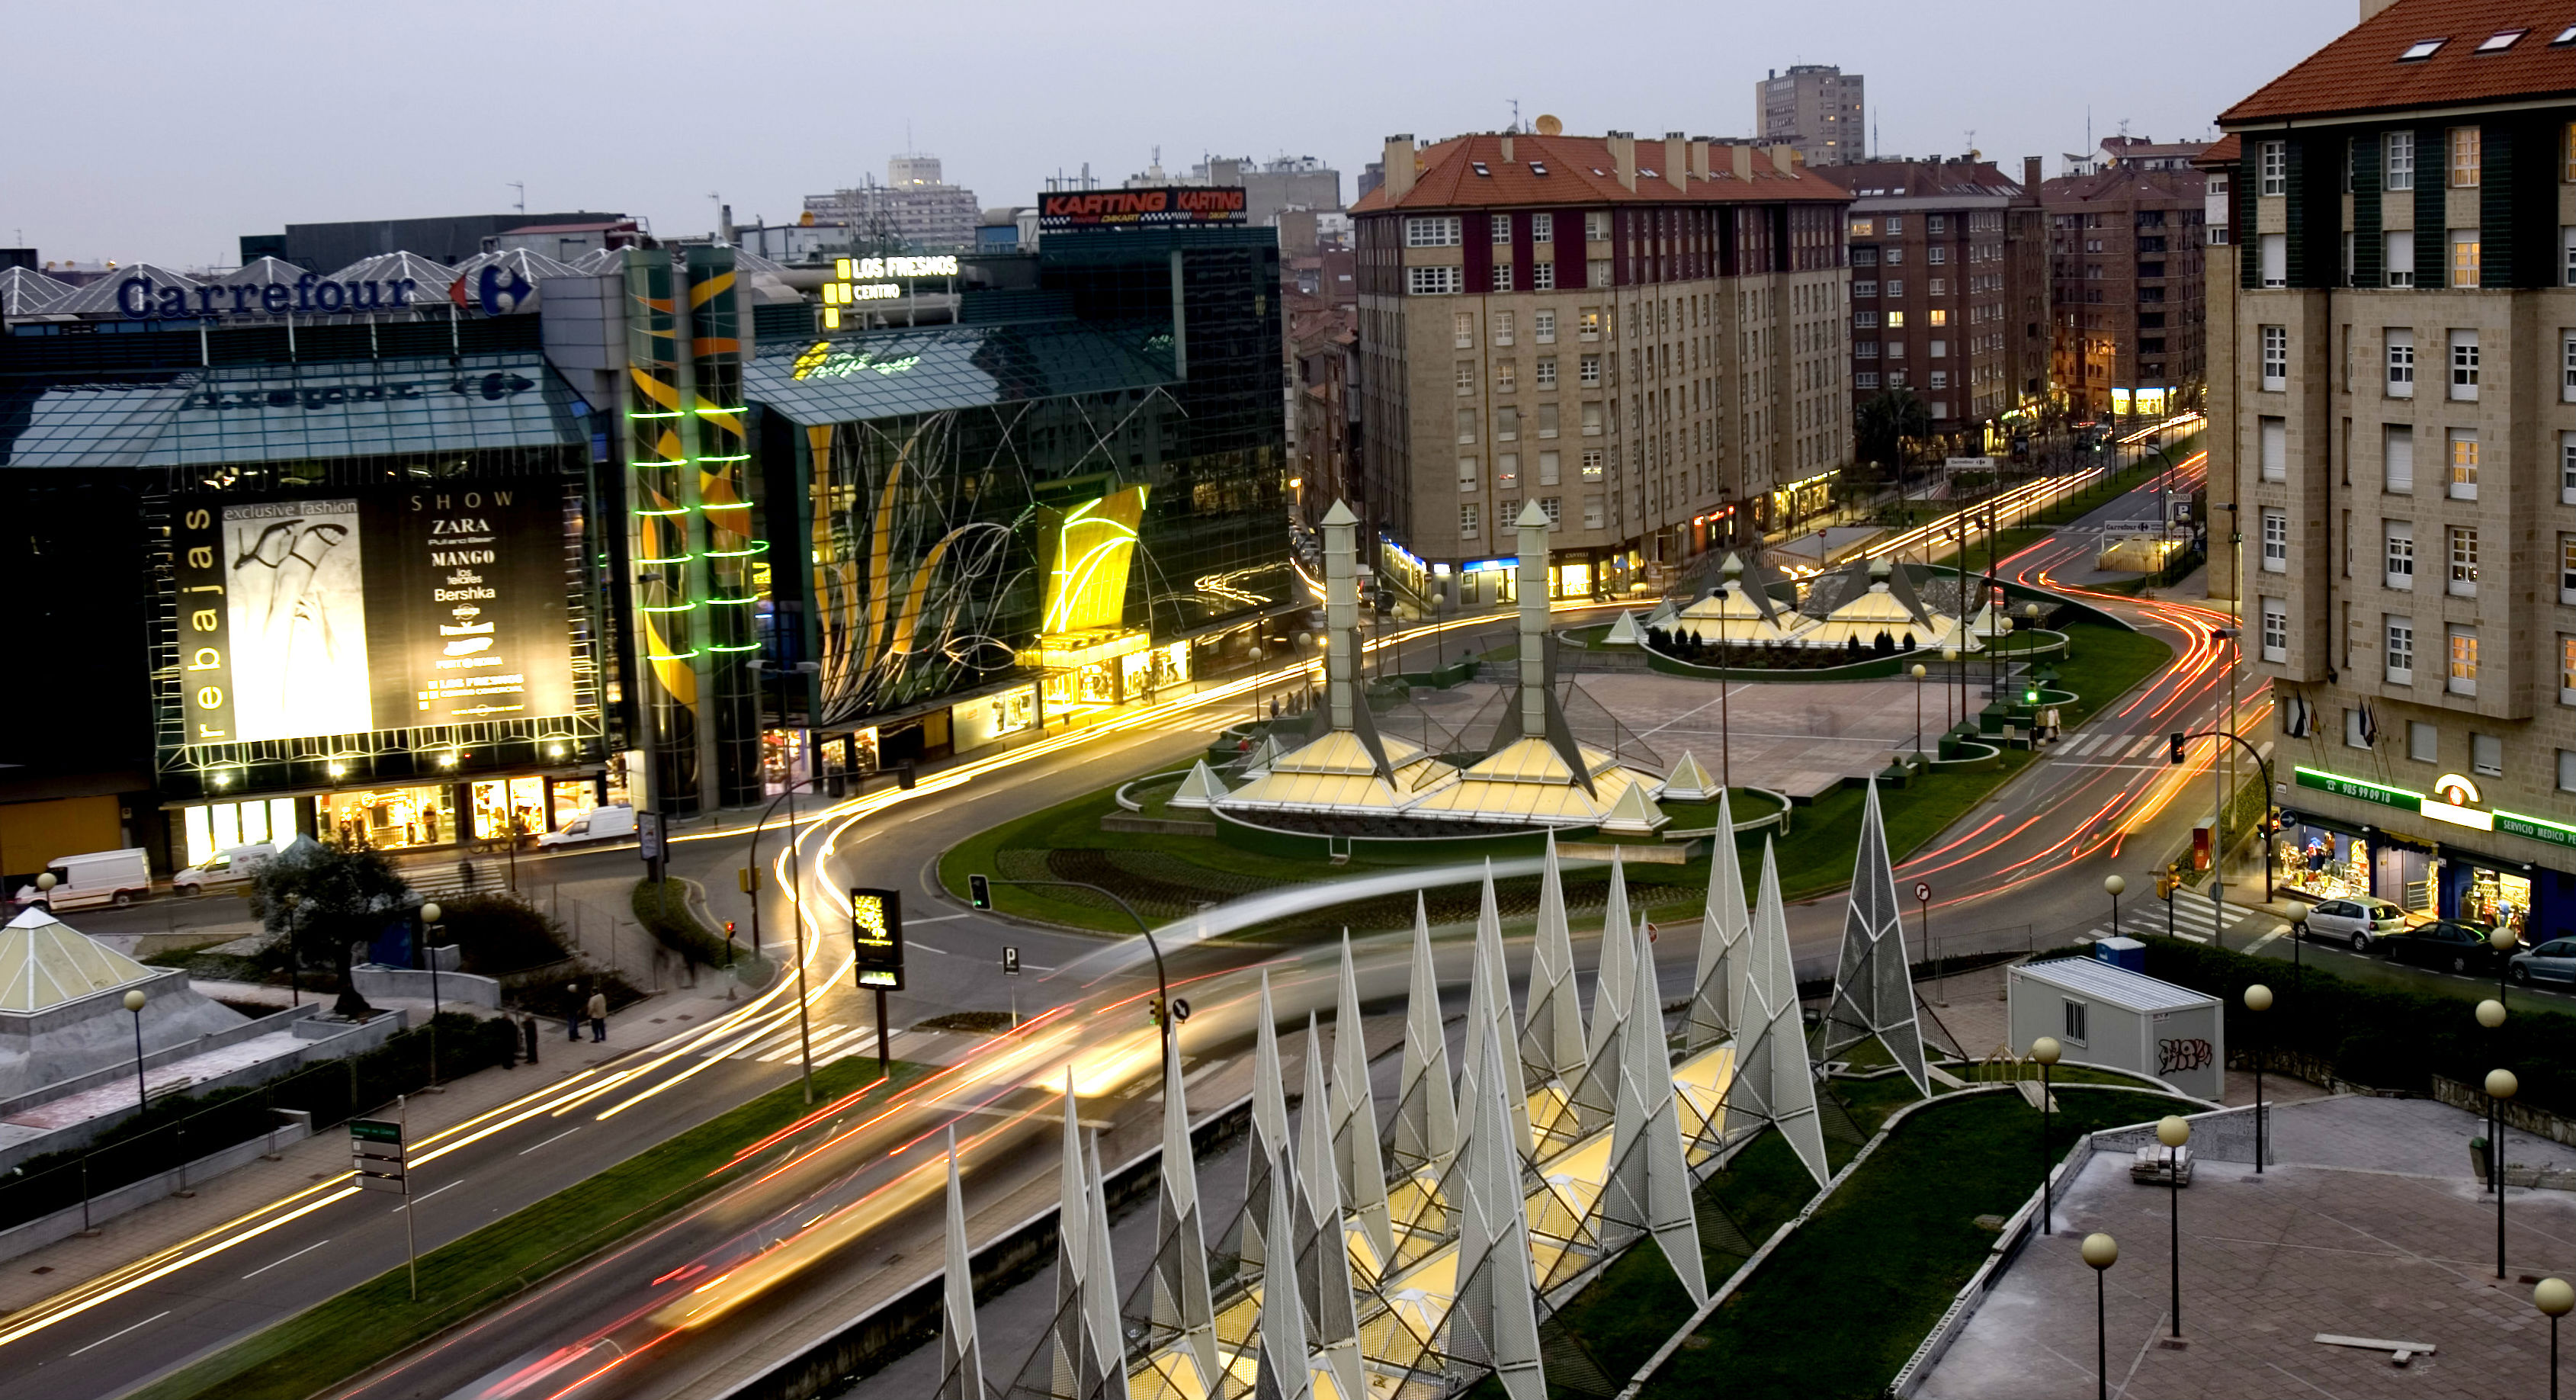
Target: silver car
(2553, 961)
(2358, 922)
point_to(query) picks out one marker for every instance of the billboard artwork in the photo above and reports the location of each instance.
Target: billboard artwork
(1146, 208)
(390, 610)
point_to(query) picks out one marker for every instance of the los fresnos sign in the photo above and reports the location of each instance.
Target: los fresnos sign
(1147, 208)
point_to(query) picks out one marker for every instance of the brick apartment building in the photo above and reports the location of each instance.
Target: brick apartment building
(1949, 286)
(1646, 337)
(2399, 448)
(2127, 286)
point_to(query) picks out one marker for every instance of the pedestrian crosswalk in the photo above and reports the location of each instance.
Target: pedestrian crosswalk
(775, 1043)
(2110, 747)
(2192, 920)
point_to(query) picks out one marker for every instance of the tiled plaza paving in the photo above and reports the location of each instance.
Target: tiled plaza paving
(2369, 1225)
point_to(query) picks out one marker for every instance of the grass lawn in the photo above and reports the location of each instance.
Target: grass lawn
(1850, 1296)
(332, 1341)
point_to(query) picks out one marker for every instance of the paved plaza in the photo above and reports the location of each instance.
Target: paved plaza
(2369, 1225)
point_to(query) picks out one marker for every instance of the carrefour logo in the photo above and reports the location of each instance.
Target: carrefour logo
(496, 290)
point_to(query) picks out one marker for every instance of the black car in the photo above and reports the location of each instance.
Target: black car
(2448, 945)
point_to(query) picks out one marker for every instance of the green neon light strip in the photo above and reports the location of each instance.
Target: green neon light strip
(740, 457)
(728, 505)
(672, 463)
(716, 410)
(731, 602)
(757, 547)
(753, 647)
(683, 656)
(653, 415)
(682, 559)
(678, 510)
(2362, 782)
(2538, 821)
(680, 608)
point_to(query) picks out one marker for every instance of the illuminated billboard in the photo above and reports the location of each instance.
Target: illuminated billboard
(354, 612)
(1142, 208)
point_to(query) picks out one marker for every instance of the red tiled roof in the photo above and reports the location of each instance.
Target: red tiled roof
(2223, 156)
(2361, 71)
(1580, 170)
(2068, 191)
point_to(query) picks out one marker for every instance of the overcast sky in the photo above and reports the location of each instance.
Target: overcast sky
(163, 131)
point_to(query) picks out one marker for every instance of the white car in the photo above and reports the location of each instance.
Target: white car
(2358, 922)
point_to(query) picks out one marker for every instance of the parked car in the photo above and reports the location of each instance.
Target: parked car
(2553, 961)
(2358, 922)
(230, 867)
(597, 824)
(2448, 945)
(99, 877)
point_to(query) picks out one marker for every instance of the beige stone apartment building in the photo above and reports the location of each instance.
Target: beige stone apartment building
(1648, 338)
(2400, 452)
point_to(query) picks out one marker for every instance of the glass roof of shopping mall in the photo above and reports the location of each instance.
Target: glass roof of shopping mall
(885, 374)
(289, 412)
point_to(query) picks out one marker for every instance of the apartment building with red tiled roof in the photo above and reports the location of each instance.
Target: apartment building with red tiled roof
(2397, 451)
(1649, 338)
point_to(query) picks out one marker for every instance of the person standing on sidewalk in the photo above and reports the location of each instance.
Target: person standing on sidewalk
(598, 1016)
(528, 1032)
(572, 1011)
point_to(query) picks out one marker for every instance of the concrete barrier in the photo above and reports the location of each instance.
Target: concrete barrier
(413, 984)
(293, 1127)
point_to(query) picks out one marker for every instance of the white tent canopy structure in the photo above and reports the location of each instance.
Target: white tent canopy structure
(1873, 984)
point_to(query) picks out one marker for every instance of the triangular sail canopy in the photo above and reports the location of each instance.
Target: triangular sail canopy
(1689, 781)
(1356, 1153)
(1269, 1130)
(1426, 1116)
(1774, 1080)
(961, 1353)
(1650, 1184)
(1717, 986)
(1873, 985)
(1551, 1040)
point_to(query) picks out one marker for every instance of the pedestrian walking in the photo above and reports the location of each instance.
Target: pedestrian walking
(598, 1016)
(572, 1011)
(465, 872)
(2056, 730)
(528, 1032)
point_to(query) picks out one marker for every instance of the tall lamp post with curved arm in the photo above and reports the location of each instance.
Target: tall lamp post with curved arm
(981, 888)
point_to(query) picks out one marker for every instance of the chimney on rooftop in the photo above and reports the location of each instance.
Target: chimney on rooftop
(1784, 159)
(2030, 174)
(1399, 166)
(1623, 157)
(1677, 160)
(1699, 156)
(2370, 8)
(1740, 157)
(1507, 147)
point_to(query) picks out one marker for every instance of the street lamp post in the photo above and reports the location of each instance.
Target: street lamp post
(1949, 658)
(2258, 998)
(2101, 1251)
(2491, 1014)
(2503, 941)
(429, 929)
(2047, 1051)
(2173, 1132)
(1162, 983)
(1918, 713)
(2500, 1086)
(134, 1002)
(2112, 885)
(2554, 1298)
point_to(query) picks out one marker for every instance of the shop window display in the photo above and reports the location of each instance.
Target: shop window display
(2496, 897)
(502, 805)
(2322, 864)
(388, 819)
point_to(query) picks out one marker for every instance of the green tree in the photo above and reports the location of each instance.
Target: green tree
(321, 899)
(1887, 424)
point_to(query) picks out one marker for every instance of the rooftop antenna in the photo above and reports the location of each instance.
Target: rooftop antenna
(522, 187)
(1516, 114)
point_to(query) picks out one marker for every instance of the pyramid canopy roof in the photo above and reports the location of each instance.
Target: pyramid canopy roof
(1201, 788)
(99, 297)
(1529, 781)
(1634, 811)
(1876, 604)
(1335, 772)
(262, 272)
(45, 963)
(1733, 614)
(1689, 781)
(597, 261)
(434, 278)
(25, 291)
(1624, 630)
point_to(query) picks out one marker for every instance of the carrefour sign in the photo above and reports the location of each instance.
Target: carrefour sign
(143, 299)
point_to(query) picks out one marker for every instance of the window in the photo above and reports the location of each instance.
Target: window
(1936, 255)
(1466, 379)
(1865, 349)
(2423, 742)
(1940, 349)
(2401, 650)
(1543, 327)
(1542, 228)
(1507, 375)
(2464, 157)
(1867, 378)
(2276, 541)
(1864, 289)
(2401, 363)
(1547, 419)
(1547, 372)
(2464, 661)
(2398, 257)
(2400, 553)
(2274, 250)
(1596, 225)
(2464, 257)
(1507, 471)
(2501, 40)
(1435, 281)
(1592, 420)
(1469, 477)
(2566, 678)
(1502, 226)
(2075, 1021)
(1940, 317)
(2356, 730)
(1592, 516)
(2276, 630)
(2567, 568)
(1547, 468)
(2464, 365)
(2274, 436)
(1555, 508)
(1940, 380)
(2486, 755)
(1592, 464)
(1502, 276)
(1895, 225)
(1466, 425)
(2464, 561)
(1588, 326)
(2397, 164)
(2464, 464)
(1895, 350)
(1587, 371)
(1431, 231)
(2276, 358)
(1507, 425)
(1596, 273)
(1868, 320)
(2275, 167)
(1896, 320)
(1896, 286)
(2567, 770)
(1863, 228)
(1543, 277)
(2567, 469)
(2397, 458)
(1895, 258)
(1936, 224)
(1462, 329)
(1471, 519)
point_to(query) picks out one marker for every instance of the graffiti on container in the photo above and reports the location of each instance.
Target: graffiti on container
(2181, 1056)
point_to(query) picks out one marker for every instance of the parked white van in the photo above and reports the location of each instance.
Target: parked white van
(100, 877)
(231, 867)
(597, 824)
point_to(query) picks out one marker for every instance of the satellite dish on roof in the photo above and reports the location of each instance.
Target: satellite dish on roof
(1550, 126)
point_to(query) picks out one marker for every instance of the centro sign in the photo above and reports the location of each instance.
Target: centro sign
(142, 299)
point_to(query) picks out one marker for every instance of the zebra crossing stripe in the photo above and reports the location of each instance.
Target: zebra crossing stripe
(794, 1043)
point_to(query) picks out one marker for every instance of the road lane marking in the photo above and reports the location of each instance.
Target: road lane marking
(568, 1132)
(264, 1268)
(425, 1195)
(112, 1336)
(938, 919)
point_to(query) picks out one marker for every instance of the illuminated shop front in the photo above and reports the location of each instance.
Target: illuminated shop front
(1784, 506)
(509, 806)
(212, 828)
(2156, 400)
(2445, 878)
(2319, 863)
(388, 819)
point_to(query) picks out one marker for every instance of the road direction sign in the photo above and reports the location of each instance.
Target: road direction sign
(376, 1154)
(1922, 892)
(1180, 1008)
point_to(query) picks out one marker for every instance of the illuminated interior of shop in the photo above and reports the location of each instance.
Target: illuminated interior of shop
(2497, 897)
(501, 803)
(217, 827)
(388, 819)
(1088, 549)
(2321, 863)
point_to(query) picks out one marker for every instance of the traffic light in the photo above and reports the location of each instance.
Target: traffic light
(979, 891)
(728, 928)
(2174, 744)
(1153, 1011)
(2030, 695)
(742, 877)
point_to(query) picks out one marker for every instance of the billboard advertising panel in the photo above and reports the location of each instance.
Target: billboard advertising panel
(1145, 208)
(388, 609)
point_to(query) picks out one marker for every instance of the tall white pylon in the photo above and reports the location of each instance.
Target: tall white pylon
(1426, 1117)
(1323, 1247)
(1551, 1040)
(1774, 1080)
(961, 1354)
(1717, 989)
(1489, 1004)
(1107, 1354)
(1355, 1143)
(1610, 979)
(1269, 1129)
(1650, 1182)
(1615, 1017)
(1072, 1252)
(1873, 985)
(1284, 1373)
(1494, 1320)
(1179, 1298)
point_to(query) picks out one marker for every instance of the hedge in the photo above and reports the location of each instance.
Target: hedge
(2383, 1037)
(662, 907)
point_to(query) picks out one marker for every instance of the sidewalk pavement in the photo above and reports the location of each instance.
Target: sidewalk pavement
(42, 1273)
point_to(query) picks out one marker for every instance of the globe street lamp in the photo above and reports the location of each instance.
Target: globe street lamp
(134, 1003)
(2258, 998)
(2502, 940)
(2112, 885)
(429, 931)
(2555, 1298)
(2500, 1086)
(1918, 713)
(1950, 658)
(2491, 1014)
(2046, 1050)
(2101, 1251)
(2173, 1132)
